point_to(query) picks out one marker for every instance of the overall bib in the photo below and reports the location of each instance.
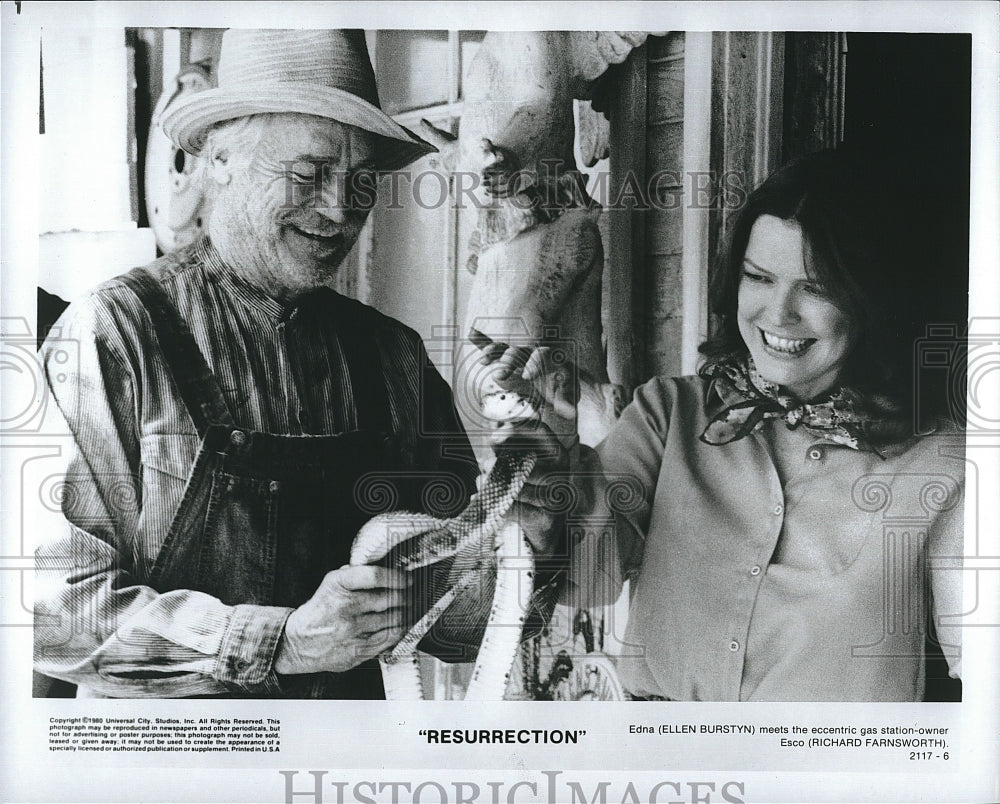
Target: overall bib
(265, 516)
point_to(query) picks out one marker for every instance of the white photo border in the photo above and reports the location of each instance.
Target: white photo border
(357, 750)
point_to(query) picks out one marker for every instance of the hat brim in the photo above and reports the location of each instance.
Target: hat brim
(188, 121)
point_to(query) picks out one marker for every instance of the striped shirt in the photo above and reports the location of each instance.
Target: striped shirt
(281, 369)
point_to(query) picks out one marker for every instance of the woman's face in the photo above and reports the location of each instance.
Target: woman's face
(797, 337)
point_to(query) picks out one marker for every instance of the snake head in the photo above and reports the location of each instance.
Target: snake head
(506, 406)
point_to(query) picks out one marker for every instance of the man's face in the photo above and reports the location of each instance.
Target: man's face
(285, 214)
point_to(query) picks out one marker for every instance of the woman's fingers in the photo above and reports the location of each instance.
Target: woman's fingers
(510, 359)
(512, 362)
(492, 352)
(543, 376)
(537, 363)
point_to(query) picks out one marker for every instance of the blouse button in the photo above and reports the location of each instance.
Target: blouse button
(755, 570)
(815, 453)
(734, 646)
(238, 437)
(779, 510)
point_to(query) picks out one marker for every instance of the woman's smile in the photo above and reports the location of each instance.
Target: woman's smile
(791, 347)
(797, 337)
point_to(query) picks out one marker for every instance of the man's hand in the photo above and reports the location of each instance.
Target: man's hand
(355, 614)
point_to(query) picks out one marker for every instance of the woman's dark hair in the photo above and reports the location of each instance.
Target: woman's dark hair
(854, 249)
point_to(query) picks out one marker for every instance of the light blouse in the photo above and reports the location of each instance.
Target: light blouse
(779, 567)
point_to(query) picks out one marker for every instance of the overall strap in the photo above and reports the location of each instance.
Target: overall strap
(198, 387)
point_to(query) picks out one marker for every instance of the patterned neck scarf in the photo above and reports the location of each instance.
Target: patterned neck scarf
(751, 400)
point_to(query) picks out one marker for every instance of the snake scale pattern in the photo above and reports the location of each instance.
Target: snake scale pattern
(468, 554)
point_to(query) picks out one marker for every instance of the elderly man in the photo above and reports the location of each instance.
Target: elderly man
(232, 416)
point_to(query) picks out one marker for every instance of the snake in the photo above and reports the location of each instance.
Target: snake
(478, 538)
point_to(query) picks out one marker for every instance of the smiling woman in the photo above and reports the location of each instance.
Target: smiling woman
(762, 540)
(797, 335)
(816, 285)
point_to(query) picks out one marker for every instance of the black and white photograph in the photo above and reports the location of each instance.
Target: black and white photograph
(382, 378)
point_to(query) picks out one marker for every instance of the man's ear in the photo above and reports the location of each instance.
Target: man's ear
(220, 165)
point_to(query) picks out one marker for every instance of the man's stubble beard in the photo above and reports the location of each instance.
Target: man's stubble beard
(247, 243)
(251, 241)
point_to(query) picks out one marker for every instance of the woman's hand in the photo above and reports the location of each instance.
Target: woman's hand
(545, 378)
(535, 405)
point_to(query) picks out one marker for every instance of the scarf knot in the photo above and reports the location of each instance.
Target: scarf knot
(832, 416)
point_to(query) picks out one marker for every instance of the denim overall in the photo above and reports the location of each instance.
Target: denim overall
(264, 516)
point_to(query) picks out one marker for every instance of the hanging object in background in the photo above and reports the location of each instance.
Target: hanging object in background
(177, 207)
(583, 672)
(537, 250)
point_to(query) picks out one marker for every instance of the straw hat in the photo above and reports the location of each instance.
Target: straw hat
(320, 72)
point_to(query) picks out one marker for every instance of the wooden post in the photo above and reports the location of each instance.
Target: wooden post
(814, 92)
(695, 255)
(627, 235)
(747, 115)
